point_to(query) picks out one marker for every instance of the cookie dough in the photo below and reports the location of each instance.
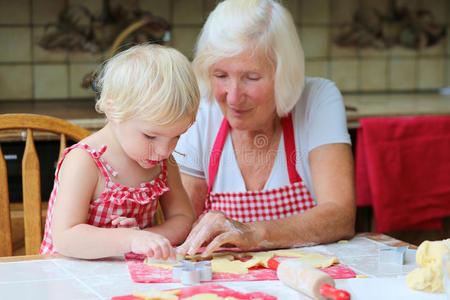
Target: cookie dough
(228, 262)
(429, 277)
(158, 295)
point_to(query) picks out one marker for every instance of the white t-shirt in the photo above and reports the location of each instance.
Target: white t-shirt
(319, 119)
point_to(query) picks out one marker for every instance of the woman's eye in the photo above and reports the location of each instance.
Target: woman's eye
(150, 137)
(219, 75)
(254, 77)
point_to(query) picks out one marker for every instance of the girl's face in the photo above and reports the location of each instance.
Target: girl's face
(243, 86)
(148, 144)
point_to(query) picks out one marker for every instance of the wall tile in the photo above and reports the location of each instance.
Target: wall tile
(187, 12)
(400, 51)
(15, 12)
(431, 73)
(373, 74)
(437, 8)
(15, 44)
(184, 39)
(373, 52)
(345, 73)
(381, 6)
(447, 73)
(46, 11)
(294, 7)
(448, 38)
(317, 68)
(77, 73)
(435, 50)
(342, 11)
(402, 74)
(412, 5)
(79, 56)
(315, 12)
(336, 50)
(42, 55)
(95, 7)
(157, 8)
(315, 41)
(15, 82)
(51, 81)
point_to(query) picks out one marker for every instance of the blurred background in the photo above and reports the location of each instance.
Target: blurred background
(362, 45)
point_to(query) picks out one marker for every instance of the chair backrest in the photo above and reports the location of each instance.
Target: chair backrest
(31, 185)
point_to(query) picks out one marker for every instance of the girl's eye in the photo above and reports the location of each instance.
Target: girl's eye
(150, 137)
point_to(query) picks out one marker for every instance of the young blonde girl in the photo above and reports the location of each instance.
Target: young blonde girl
(107, 186)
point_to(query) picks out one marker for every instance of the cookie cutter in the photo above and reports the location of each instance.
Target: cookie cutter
(191, 273)
(392, 255)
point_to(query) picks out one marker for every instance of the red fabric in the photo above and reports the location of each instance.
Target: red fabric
(403, 170)
(141, 272)
(250, 206)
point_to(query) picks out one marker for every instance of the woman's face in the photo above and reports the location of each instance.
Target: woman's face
(243, 86)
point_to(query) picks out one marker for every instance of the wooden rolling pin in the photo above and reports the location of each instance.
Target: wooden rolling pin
(310, 281)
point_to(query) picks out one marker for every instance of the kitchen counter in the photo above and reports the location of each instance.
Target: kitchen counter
(50, 278)
(394, 105)
(82, 111)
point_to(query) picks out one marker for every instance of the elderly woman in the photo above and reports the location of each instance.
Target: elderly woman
(267, 162)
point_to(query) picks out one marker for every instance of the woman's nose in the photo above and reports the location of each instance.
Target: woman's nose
(234, 93)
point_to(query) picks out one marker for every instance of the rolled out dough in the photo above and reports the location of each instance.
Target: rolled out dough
(226, 262)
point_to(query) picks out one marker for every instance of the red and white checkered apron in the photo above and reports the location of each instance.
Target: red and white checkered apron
(271, 204)
(139, 203)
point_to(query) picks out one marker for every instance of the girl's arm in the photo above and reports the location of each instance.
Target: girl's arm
(78, 178)
(176, 206)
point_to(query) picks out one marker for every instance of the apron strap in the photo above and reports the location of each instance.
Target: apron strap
(289, 147)
(216, 152)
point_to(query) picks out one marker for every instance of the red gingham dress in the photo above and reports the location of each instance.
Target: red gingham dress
(139, 203)
(270, 204)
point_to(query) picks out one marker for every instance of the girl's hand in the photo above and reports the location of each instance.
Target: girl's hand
(153, 245)
(123, 222)
(215, 229)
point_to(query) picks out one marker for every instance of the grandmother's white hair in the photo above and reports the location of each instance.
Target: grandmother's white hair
(263, 26)
(149, 82)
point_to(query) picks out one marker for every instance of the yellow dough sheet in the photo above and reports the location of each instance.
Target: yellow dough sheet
(228, 262)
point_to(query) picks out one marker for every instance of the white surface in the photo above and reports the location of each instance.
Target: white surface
(68, 279)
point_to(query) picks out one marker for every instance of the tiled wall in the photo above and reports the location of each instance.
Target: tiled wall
(30, 72)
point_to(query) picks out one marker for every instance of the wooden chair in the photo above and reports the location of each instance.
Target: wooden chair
(31, 185)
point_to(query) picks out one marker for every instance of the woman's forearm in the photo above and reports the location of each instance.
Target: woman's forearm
(324, 223)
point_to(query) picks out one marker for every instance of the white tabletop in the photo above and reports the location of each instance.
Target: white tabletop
(65, 278)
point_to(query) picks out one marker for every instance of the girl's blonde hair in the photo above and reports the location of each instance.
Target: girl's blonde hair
(263, 26)
(149, 82)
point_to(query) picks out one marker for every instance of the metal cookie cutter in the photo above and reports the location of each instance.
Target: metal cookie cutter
(191, 273)
(392, 255)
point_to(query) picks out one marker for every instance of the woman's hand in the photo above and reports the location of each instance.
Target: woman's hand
(123, 222)
(214, 229)
(153, 245)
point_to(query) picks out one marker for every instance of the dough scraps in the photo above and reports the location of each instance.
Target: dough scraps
(429, 277)
(228, 262)
(158, 295)
(209, 296)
